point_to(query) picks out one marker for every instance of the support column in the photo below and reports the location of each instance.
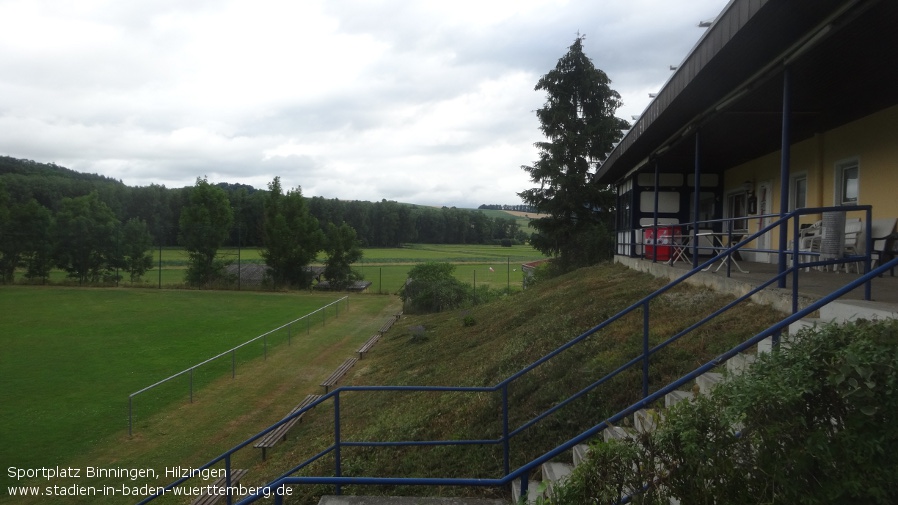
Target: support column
(655, 213)
(785, 160)
(697, 184)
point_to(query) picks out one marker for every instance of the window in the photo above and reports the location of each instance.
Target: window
(799, 197)
(847, 175)
(737, 207)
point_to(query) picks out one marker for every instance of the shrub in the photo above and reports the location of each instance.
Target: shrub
(817, 423)
(431, 287)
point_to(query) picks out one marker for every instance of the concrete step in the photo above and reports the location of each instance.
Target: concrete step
(646, 420)
(616, 433)
(581, 451)
(554, 472)
(808, 322)
(405, 500)
(707, 381)
(766, 345)
(849, 310)
(739, 363)
(675, 397)
(533, 491)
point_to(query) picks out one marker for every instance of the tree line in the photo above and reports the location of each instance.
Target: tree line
(91, 225)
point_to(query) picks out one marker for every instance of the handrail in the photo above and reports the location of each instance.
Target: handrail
(507, 434)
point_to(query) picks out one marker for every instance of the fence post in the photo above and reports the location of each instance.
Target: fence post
(288, 333)
(645, 349)
(233, 365)
(191, 385)
(130, 414)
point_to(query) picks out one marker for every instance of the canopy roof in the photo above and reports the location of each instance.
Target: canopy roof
(843, 61)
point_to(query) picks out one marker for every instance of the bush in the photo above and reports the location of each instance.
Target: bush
(818, 423)
(431, 287)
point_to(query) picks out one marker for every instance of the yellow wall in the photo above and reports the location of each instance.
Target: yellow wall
(872, 140)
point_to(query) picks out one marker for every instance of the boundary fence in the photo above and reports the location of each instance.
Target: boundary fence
(264, 337)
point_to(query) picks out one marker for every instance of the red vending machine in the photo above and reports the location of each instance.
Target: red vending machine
(658, 242)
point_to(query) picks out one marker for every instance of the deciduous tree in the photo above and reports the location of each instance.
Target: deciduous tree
(203, 227)
(136, 243)
(87, 238)
(342, 249)
(292, 236)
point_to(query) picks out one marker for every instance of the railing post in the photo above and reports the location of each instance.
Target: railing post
(524, 491)
(785, 162)
(337, 471)
(506, 443)
(645, 349)
(228, 497)
(868, 248)
(795, 262)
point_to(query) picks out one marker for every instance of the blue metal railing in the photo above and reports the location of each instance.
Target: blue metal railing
(503, 440)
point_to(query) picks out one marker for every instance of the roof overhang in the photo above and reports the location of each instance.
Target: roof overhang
(843, 65)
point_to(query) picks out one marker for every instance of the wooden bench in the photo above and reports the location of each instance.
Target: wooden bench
(338, 374)
(210, 499)
(368, 345)
(386, 326)
(279, 434)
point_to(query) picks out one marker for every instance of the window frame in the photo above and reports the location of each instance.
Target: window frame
(844, 168)
(793, 191)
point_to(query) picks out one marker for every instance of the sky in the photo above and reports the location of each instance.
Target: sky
(425, 102)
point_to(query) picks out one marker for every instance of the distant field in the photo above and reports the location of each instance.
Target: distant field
(386, 268)
(70, 357)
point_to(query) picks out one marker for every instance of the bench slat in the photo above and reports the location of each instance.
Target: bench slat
(278, 434)
(388, 324)
(338, 373)
(368, 345)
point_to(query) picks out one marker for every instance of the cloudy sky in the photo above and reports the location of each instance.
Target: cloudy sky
(427, 102)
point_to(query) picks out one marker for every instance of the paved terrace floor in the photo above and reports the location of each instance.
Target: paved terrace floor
(812, 285)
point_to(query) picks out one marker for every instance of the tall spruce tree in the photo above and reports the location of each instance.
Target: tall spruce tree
(580, 127)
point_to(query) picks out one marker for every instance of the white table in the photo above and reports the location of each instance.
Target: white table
(717, 241)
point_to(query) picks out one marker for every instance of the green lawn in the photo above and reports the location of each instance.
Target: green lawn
(71, 357)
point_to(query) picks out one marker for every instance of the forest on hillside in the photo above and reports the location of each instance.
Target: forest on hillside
(377, 224)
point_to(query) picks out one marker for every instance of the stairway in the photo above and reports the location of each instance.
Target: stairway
(645, 420)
